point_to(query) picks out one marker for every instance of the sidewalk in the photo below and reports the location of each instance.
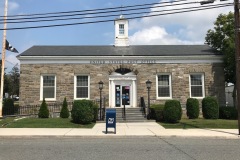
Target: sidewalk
(122, 130)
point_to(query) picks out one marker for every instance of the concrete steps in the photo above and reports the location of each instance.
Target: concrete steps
(132, 115)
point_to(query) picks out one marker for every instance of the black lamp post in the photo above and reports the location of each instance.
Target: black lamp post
(100, 88)
(148, 83)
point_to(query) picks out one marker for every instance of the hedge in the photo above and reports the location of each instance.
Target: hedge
(228, 113)
(172, 111)
(210, 108)
(8, 107)
(156, 112)
(82, 111)
(192, 107)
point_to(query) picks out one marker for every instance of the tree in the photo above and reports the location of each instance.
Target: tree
(14, 78)
(64, 111)
(222, 39)
(43, 111)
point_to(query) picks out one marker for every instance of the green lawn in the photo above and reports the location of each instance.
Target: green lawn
(40, 123)
(202, 123)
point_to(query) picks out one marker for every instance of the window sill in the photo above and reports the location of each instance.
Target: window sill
(81, 98)
(48, 100)
(198, 97)
(164, 98)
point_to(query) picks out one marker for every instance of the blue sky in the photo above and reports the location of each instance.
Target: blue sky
(185, 28)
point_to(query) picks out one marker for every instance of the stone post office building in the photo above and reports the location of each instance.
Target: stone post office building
(176, 72)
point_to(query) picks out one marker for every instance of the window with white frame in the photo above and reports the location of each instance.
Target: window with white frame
(48, 87)
(164, 88)
(121, 29)
(81, 89)
(197, 85)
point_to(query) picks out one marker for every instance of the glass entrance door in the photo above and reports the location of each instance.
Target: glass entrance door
(118, 95)
(125, 95)
(122, 96)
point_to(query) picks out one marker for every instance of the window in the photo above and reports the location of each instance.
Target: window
(121, 29)
(81, 89)
(164, 89)
(197, 85)
(48, 87)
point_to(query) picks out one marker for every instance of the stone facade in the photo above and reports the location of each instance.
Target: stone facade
(30, 79)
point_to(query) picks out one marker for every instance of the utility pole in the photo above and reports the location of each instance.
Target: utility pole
(3, 55)
(237, 56)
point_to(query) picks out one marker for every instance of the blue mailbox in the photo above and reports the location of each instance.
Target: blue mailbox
(111, 119)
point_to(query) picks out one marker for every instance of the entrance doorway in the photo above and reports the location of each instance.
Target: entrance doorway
(122, 90)
(122, 95)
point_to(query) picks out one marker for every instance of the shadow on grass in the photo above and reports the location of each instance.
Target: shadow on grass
(191, 126)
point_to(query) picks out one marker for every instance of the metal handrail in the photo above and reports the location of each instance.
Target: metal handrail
(143, 106)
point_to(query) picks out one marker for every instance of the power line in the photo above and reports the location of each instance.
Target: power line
(93, 13)
(111, 20)
(113, 15)
(130, 6)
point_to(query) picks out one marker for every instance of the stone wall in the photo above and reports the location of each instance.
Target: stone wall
(31, 74)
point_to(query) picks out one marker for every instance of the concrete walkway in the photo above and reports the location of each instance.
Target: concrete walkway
(122, 130)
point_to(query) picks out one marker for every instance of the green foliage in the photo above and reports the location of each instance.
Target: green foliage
(95, 112)
(43, 111)
(228, 113)
(156, 112)
(192, 107)
(8, 107)
(82, 111)
(222, 39)
(14, 80)
(64, 111)
(172, 111)
(210, 108)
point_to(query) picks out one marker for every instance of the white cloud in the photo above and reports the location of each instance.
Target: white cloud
(184, 28)
(155, 35)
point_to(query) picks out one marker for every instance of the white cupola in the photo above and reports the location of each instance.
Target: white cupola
(121, 31)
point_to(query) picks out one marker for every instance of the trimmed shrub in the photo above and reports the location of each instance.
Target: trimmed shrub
(64, 111)
(82, 111)
(43, 111)
(172, 111)
(8, 107)
(95, 112)
(156, 112)
(228, 113)
(192, 107)
(210, 108)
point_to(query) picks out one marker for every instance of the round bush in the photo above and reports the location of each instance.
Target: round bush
(156, 112)
(172, 111)
(64, 111)
(192, 107)
(8, 107)
(43, 111)
(82, 111)
(210, 108)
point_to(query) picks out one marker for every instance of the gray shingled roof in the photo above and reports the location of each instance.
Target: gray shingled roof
(136, 50)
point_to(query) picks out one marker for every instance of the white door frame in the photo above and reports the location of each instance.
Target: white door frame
(123, 80)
